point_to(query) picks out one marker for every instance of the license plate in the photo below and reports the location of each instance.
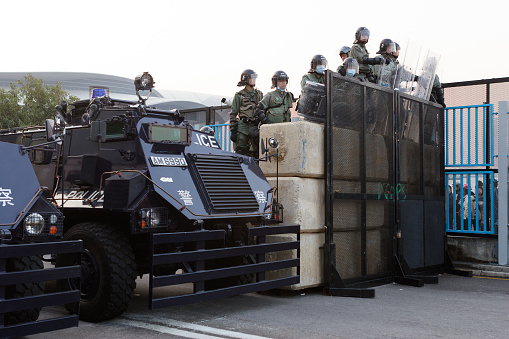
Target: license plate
(168, 161)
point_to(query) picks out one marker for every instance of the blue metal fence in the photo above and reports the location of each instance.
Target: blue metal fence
(467, 208)
(469, 154)
(466, 139)
(222, 133)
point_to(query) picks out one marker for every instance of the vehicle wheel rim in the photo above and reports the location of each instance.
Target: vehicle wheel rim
(89, 275)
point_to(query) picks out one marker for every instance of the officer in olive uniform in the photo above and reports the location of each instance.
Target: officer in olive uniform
(350, 68)
(361, 54)
(343, 54)
(243, 106)
(275, 106)
(315, 74)
(385, 73)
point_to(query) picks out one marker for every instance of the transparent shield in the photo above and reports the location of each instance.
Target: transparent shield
(427, 70)
(409, 60)
(387, 75)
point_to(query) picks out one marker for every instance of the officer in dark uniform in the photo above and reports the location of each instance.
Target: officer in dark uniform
(361, 54)
(275, 106)
(243, 106)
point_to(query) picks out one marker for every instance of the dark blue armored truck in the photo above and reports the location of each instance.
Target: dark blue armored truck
(148, 194)
(30, 228)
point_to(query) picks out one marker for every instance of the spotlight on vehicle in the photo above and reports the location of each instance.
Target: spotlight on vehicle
(144, 82)
(273, 142)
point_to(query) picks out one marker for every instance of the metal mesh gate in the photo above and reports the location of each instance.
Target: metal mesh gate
(420, 177)
(362, 178)
(385, 182)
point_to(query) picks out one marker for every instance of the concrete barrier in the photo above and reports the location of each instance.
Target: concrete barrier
(311, 260)
(303, 200)
(301, 146)
(301, 152)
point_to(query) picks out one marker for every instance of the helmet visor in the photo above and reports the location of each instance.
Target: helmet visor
(322, 62)
(364, 34)
(252, 79)
(391, 48)
(351, 64)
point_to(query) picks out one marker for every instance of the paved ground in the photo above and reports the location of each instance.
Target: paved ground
(457, 307)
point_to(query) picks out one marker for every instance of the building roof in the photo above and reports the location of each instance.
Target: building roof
(77, 84)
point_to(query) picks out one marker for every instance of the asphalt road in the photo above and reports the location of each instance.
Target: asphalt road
(456, 307)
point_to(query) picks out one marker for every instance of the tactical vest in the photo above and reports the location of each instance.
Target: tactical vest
(279, 107)
(248, 103)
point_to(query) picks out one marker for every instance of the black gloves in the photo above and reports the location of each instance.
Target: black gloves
(233, 128)
(233, 135)
(373, 61)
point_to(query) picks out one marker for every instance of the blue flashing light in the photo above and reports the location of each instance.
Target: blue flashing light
(98, 92)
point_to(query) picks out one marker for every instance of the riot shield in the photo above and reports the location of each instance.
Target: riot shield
(426, 74)
(408, 67)
(387, 75)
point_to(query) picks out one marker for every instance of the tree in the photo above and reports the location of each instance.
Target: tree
(30, 102)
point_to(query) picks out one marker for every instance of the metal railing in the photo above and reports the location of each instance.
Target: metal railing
(222, 133)
(471, 202)
(471, 206)
(468, 139)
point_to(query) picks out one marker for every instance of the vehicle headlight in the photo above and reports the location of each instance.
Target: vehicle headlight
(34, 224)
(153, 218)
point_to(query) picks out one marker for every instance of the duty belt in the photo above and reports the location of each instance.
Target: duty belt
(247, 120)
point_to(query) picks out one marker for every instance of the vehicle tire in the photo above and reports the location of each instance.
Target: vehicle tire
(108, 271)
(24, 290)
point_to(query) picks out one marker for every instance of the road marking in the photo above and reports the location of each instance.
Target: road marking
(164, 329)
(494, 278)
(170, 324)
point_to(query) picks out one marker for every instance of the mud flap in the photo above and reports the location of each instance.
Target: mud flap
(197, 273)
(34, 276)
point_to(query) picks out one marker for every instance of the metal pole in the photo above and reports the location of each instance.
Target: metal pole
(502, 183)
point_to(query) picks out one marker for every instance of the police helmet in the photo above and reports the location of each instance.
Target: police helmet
(344, 50)
(387, 46)
(351, 64)
(361, 32)
(279, 76)
(318, 60)
(246, 76)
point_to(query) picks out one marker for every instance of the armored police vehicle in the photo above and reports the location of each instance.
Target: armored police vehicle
(30, 227)
(148, 194)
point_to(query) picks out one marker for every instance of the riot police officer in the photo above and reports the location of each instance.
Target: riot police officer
(361, 54)
(350, 68)
(315, 73)
(243, 106)
(275, 106)
(385, 73)
(437, 92)
(343, 54)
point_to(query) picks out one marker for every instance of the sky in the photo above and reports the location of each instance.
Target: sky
(203, 46)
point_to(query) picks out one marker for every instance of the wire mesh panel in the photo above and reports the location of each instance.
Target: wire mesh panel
(420, 163)
(362, 178)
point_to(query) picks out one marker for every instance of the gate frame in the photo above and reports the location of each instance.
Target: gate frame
(46, 299)
(401, 272)
(198, 277)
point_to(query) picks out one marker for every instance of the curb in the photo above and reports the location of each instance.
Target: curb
(484, 270)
